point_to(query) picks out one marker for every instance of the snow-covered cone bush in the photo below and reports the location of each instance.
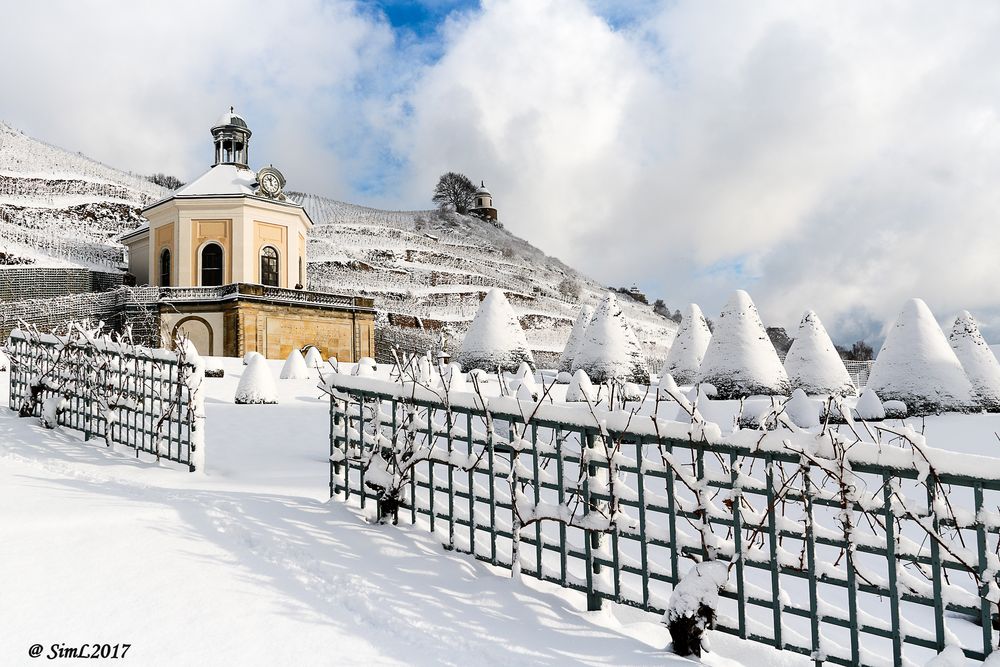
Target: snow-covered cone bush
(917, 366)
(455, 379)
(366, 368)
(610, 349)
(314, 358)
(257, 383)
(688, 349)
(248, 357)
(495, 338)
(295, 367)
(692, 606)
(869, 407)
(977, 359)
(813, 364)
(51, 407)
(575, 338)
(580, 388)
(894, 409)
(740, 360)
(802, 410)
(630, 391)
(527, 389)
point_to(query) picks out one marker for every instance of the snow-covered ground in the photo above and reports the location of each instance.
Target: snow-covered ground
(250, 564)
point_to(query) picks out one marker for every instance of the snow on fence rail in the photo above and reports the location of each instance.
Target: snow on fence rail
(842, 549)
(147, 399)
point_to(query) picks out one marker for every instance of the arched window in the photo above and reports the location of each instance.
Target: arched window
(211, 265)
(269, 266)
(165, 267)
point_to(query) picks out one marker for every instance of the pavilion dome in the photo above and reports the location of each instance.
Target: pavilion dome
(231, 118)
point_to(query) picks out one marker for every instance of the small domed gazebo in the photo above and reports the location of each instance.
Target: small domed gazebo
(483, 203)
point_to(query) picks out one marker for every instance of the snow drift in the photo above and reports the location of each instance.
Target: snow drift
(740, 360)
(918, 367)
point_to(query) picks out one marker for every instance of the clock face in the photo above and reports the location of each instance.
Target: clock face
(270, 184)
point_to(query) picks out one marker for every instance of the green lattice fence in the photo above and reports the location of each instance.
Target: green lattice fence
(852, 554)
(129, 395)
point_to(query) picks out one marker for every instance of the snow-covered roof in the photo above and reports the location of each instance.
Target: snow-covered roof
(482, 189)
(231, 118)
(222, 179)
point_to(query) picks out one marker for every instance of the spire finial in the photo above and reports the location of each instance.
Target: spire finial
(231, 109)
(482, 184)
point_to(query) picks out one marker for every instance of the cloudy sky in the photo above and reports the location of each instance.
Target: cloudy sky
(839, 156)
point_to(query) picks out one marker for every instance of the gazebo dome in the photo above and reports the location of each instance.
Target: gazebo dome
(483, 203)
(231, 137)
(231, 118)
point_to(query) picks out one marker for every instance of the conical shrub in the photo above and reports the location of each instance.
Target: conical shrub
(495, 339)
(610, 350)
(917, 366)
(813, 364)
(575, 338)
(688, 349)
(978, 361)
(740, 360)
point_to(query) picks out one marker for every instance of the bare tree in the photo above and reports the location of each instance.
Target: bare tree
(165, 180)
(455, 189)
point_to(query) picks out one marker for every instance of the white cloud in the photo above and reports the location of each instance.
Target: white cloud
(841, 157)
(838, 157)
(138, 85)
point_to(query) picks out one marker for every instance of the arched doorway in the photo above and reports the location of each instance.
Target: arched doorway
(198, 331)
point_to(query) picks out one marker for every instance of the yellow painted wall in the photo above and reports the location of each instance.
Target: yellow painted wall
(269, 234)
(164, 235)
(207, 231)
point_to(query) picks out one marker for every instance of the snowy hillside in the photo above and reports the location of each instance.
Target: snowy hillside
(58, 204)
(60, 208)
(437, 267)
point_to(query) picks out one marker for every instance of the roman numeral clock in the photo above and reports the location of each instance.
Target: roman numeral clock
(270, 183)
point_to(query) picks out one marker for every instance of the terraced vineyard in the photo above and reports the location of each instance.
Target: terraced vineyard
(426, 270)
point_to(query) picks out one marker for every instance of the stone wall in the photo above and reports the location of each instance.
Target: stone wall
(275, 329)
(21, 283)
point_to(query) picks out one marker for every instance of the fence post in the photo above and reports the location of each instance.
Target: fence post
(592, 538)
(984, 571)
(890, 557)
